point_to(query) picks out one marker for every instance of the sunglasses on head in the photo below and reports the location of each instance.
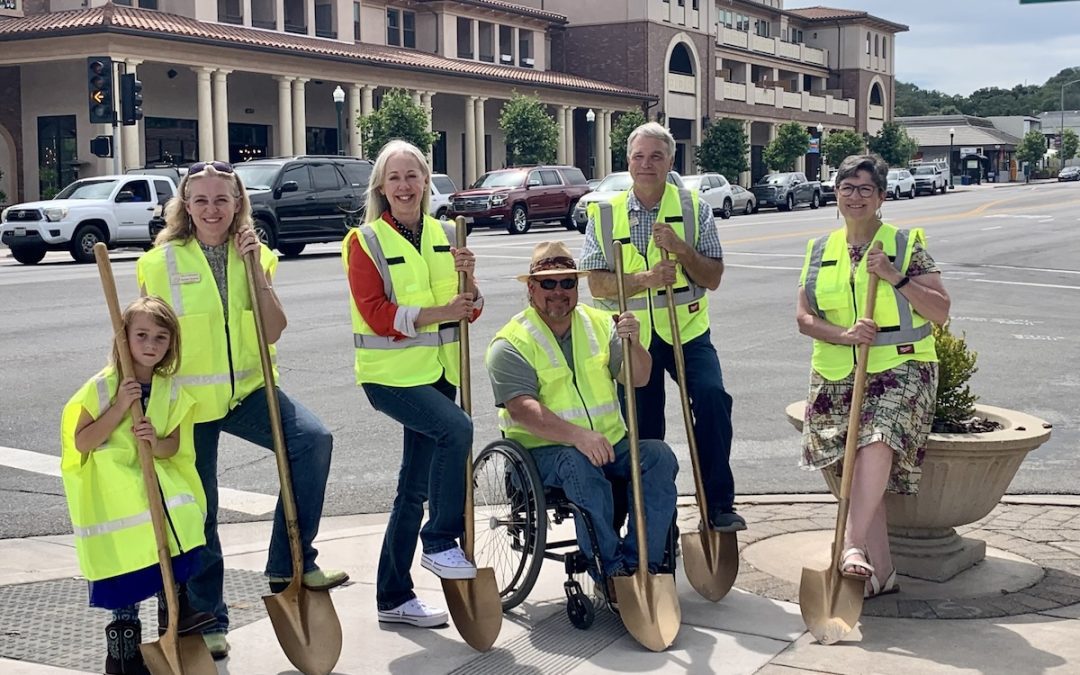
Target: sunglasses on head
(221, 167)
(550, 284)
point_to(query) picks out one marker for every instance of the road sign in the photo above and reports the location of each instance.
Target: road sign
(99, 81)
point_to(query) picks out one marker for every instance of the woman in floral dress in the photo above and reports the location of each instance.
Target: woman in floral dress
(902, 368)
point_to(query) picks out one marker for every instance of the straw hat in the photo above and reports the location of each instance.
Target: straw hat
(551, 258)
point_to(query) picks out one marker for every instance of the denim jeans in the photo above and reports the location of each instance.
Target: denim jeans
(308, 446)
(710, 405)
(589, 487)
(438, 442)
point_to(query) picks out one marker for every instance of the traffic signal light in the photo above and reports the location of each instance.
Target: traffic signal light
(130, 99)
(99, 79)
(101, 146)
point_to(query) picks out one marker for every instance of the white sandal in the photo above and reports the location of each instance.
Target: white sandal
(876, 589)
(863, 564)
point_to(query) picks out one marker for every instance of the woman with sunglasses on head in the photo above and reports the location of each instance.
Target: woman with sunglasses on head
(902, 373)
(405, 306)
(197, 267)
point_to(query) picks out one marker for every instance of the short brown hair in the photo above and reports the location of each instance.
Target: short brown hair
(871, 164)
(163, 316)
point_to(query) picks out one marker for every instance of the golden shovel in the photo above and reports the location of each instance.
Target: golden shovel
(831, 603)
(648, 603)
(474, 603)
(711, 558)
(304, 619)
(170, 654)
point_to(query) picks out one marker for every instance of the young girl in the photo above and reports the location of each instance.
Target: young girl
(110, 511)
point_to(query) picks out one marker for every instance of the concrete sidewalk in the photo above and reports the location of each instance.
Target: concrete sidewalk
(1017, 612)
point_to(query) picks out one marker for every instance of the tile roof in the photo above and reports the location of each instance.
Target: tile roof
(513, 8)
(966, 136)
(149, 23)
(823, 14)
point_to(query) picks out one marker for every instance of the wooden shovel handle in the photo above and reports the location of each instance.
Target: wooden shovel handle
(461, 235)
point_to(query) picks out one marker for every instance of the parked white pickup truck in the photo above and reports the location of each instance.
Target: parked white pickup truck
(112, 209)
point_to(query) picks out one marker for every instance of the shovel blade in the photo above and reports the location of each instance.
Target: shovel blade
(711, 561)
(649, 608)
(307, 628)
(476, 608)
(186, 656)
(830, 604)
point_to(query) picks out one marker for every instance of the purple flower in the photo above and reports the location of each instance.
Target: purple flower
(822, 405)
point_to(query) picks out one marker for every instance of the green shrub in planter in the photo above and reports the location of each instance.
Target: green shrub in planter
(955, 412)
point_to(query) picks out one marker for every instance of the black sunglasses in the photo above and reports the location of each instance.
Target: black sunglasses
(221, 167)
(550, 284)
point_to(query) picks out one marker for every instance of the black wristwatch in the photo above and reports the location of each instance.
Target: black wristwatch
(903, 282)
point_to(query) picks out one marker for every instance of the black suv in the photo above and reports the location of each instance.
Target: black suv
(302, 200)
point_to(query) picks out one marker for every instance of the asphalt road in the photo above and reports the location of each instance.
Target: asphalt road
(1010, 256)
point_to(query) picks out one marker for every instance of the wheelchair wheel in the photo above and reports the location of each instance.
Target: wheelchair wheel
(579, 608)
(511, 518)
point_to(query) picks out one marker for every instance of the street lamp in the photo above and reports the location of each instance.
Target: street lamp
(590, 117)
(339, 104)
(952, 185)
(821, 151)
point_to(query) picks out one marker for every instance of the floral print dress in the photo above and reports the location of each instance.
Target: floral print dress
(897, 409)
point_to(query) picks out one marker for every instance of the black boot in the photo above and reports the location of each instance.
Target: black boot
(191, 619)
(124, 658)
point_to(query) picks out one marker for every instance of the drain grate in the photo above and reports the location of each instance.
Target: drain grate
(551, 647)
(50, 622)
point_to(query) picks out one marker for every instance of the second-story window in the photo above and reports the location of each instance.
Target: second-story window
(884, 48)
(356, 21)
(877, 46)
(506, 45)
(761, 27)
(400, 28)
(525, 53)
(796, 35)
(742, 22)
(868, 44)
(464, 38)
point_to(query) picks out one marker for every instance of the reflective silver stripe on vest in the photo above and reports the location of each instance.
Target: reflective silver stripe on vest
(505, 423)
(607, 233)
(540, 338)
(444, 336)
(683, 296)
(590, 332)
(686, 202)
(103, 394)
(816, 253)
(173, 270)
(130, 521)
(379, 258)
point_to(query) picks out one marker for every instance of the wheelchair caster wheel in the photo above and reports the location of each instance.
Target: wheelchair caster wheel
(580, 610)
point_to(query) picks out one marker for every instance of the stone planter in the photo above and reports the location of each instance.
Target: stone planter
(964, 476)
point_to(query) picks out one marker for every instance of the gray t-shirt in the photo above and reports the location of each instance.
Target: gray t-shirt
(512, 376)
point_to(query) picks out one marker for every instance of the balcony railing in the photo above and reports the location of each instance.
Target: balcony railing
(790, 100)
(790, 50)
(877, 112)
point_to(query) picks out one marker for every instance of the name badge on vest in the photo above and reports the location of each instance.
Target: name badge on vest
(905, 349)
(191, 278)
(694, 306)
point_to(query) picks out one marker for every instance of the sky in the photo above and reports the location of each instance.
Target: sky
(958, 46)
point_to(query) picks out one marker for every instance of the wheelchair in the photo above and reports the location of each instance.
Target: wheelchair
(513, 510)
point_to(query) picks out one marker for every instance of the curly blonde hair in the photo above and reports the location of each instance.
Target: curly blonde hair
(178, 223)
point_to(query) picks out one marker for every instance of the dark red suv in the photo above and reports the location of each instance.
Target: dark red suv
(516, 198)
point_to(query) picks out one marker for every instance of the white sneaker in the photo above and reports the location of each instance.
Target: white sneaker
(449, 564)
(415, 613)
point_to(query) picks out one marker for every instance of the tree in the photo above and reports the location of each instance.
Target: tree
(397, 117)
(532, 136)
(1069, 143)
(840, 145)
(1031, 149)
(893, 144)
(723, 149)
(620, 131)
(791, 142)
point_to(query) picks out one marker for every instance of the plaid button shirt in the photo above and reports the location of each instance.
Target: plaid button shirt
(641, 224)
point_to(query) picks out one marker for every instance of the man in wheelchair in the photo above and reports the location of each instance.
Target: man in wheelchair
(553, 369)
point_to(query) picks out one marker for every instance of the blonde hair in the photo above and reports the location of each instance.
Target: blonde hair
(652, 130)
(178, 223)
(163, 316)
(376, 202)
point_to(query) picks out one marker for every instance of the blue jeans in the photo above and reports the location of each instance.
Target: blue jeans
(308, 445)
(589, 487)
(438, 442)
(710, 405)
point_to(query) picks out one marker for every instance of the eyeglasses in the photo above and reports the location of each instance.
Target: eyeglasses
(550, 284)
(865, 190)
(221, 167)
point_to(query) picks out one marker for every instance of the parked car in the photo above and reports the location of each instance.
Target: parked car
(442, 188)
(593, 182)
(930, 177)
(742, 200)
(828, 188)
(176, 173)
(901, 182)
(613, 184)
(515, 198)
(785, 191)
(715, 189)
(1069, 173)
(115, 210)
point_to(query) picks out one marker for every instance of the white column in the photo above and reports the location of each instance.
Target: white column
(425, 103)
(415, 94)
(309, 16)
(299, 114)
(366, 99)
(481, 150)
(476, 39)
(131, 136)
(221, 115)
(279, 16)
(470, 141)
(284, 126)
(247, 12)
(598, 144)
(351, 114)
(607, 142)
(745, 176)
(206, 113)
(570, 135)
(560, 149)
(516, 37)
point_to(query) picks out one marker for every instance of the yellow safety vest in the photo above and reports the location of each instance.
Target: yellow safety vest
(219, 362)
(678, 208)
(584, 395)
(903, 334)
(106, 495)
(411, 278)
